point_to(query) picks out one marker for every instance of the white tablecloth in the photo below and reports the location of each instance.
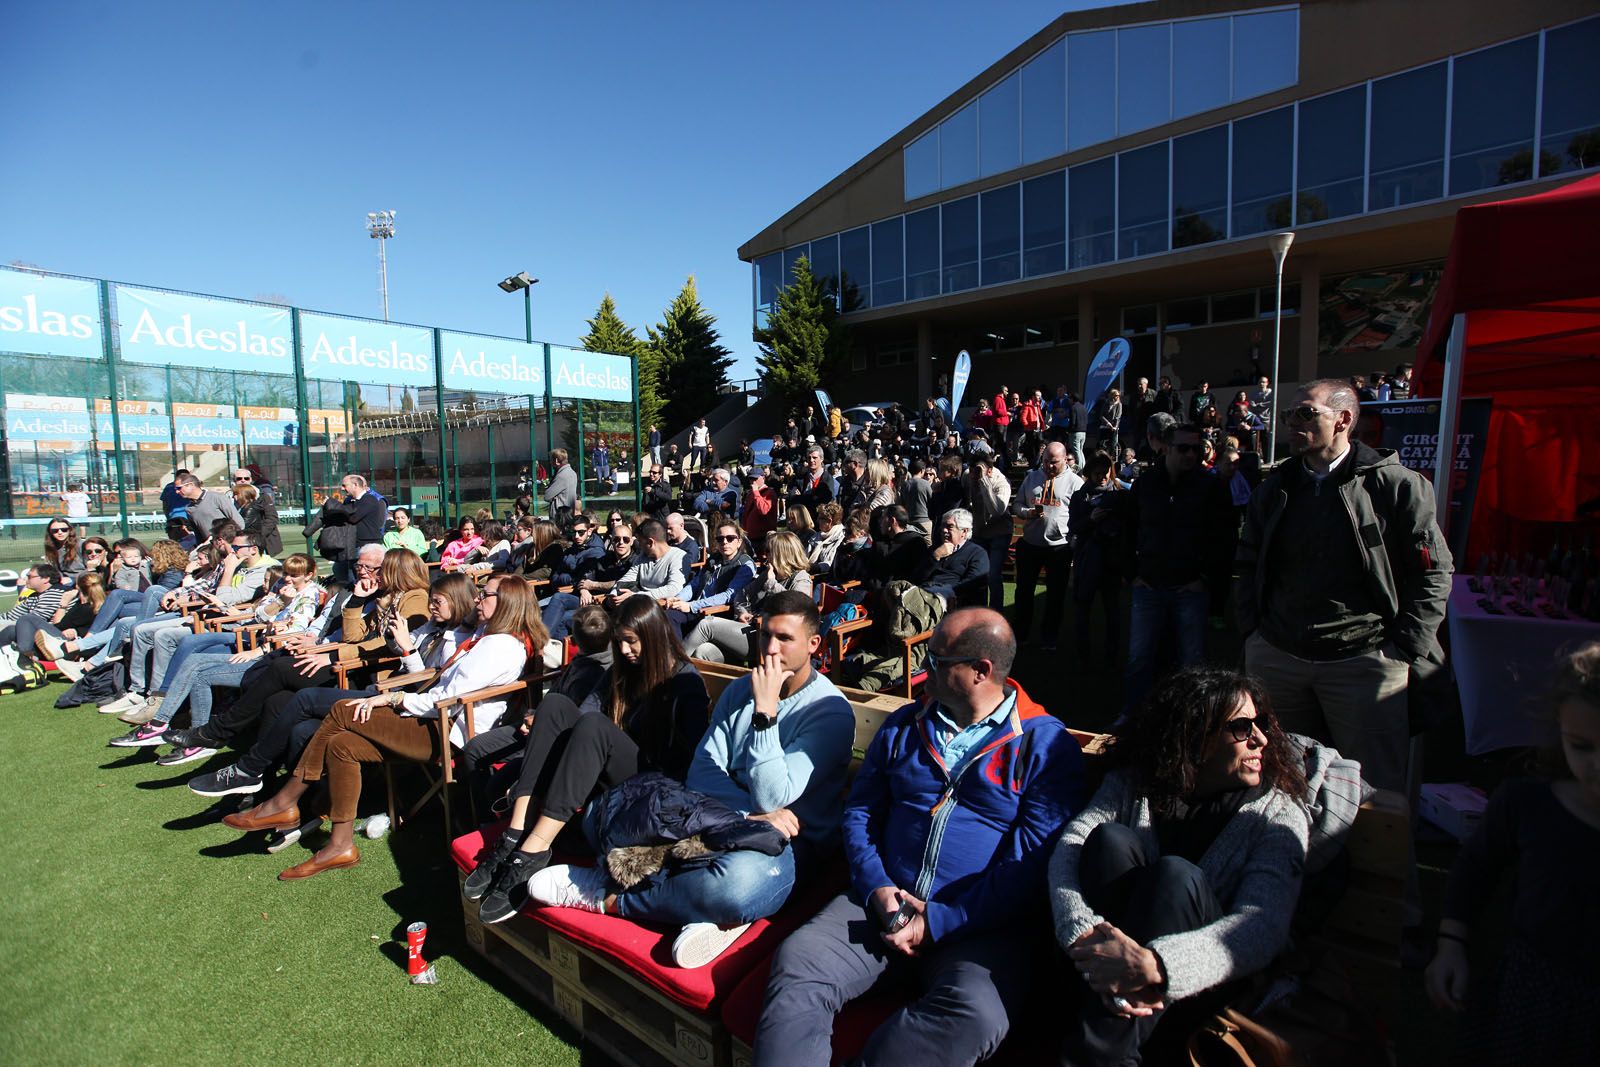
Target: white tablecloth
(1503, 664)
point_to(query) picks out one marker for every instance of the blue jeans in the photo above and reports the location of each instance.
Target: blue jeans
(734, 887)
(996, 548)
(557, 614)
(144, 645)
(182, 646)
(1153, 611)
(1075, 443)
(120, 603)
(194, 681)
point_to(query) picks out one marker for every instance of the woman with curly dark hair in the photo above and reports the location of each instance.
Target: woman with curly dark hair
(1183, 872)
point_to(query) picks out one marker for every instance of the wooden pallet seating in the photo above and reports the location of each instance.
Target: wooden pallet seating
(613, 979)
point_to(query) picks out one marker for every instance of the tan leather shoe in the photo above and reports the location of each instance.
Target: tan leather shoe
(348, 858)
(249, 820)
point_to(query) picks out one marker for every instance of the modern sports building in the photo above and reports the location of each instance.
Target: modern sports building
(1118, 174)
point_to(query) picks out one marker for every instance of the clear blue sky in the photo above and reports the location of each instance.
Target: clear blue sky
(236, 148)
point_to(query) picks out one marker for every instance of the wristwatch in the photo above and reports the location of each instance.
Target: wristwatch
(759, 721)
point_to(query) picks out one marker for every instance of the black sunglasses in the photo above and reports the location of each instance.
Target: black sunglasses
(727, 539)
(60, 529)
(1244, 727)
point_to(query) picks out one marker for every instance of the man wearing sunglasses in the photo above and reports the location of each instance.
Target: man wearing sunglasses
(1181, 520)
(1340, 582)
(948, 829)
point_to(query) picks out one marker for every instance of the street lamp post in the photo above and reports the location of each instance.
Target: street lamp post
(380, 227)
(1279, 244)
(523, 281)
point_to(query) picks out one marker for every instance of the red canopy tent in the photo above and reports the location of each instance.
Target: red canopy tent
(1517, 318)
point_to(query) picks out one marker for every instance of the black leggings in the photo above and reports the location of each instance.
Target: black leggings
(491, 764)
(571, 756)
(1145, 900)
(275, 678)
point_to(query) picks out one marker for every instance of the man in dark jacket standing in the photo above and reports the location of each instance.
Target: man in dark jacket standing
(1180, 525)
(360, 509)
(1341, 582)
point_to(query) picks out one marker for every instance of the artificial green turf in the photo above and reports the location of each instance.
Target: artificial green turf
(136, 929)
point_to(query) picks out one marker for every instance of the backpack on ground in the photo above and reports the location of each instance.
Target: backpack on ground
(98, 686)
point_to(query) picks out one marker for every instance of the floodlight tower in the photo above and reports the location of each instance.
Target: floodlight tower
(380, 227)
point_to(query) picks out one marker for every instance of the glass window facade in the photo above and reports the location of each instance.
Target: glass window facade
(1089, 87)
(1200, 187)
(1491, 118)
(1406, 140)
(888, 263)
(999, 119)
(958, 147)
(1144, 72)
(922, 254)
(1201, 65)
(1266, 52)
(1044, 214)
(959, 230)
(1044, 104)
(1092, 212)
(791, 256)
(855, 268)
(1091, 67)
(922, 165)
(1332, 149)
(1142, 209)
(825, 262)
(1374, 146)
(1570, 131)
(1263, 171)
(1002, 235)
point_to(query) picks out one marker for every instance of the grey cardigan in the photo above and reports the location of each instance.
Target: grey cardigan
(1253, 867)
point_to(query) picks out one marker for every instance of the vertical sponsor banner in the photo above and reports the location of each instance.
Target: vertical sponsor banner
(44, 315)
(1108, 363)
(825, 401)
(366, 351)
(1411, 428)
(579, 375)
(181, 329)
(761, 450)
(958, 381)
(491, 364)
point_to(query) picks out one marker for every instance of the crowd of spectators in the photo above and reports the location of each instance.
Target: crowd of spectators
(1170, 869)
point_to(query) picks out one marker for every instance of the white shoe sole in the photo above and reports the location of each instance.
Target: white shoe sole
(700, 943)
(198, 754)
(149, 742)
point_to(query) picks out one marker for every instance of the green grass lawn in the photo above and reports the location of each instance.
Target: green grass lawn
(137, 929)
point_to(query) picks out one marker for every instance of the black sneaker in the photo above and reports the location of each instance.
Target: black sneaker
(482, 876)
(510, 889)
(227, 781)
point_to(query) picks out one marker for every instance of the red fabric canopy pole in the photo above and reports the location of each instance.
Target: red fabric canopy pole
(1525, 274)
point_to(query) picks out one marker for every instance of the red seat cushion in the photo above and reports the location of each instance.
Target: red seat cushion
(646, 952)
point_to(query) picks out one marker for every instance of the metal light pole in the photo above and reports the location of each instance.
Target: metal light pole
(525, 282)
(380, 227)
(1279, 244)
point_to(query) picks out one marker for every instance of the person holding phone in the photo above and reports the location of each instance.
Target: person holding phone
(947, 830)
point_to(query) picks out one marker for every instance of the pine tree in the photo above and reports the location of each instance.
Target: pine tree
(803, 345)
(608, 333)
(693, 361)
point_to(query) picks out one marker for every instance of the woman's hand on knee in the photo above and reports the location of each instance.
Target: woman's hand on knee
(1112, 963)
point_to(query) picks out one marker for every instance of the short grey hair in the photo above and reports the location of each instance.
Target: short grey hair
(815, 450)
(855, 455)
(1159, 424)
(1340, 396)
(961, 517)
(186, 479)
(371, 546)
(722, 471)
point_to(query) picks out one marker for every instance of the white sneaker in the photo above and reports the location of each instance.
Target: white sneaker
(563, 886)
(71, 669)
(125, 702)
(699, 943)
(51, 645)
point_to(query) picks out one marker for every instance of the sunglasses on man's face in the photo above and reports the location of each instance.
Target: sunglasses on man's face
(1303, 413)
(246, 479)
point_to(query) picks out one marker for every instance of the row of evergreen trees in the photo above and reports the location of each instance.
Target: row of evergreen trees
(683, 364)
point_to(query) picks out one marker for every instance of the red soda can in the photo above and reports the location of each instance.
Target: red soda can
(416, 933)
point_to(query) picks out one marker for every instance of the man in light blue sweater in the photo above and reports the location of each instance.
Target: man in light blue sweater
(777, 750)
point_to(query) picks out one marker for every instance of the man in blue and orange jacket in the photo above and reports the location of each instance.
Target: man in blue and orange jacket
(948, 830)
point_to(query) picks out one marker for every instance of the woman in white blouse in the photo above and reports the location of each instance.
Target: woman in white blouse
(395, 724)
